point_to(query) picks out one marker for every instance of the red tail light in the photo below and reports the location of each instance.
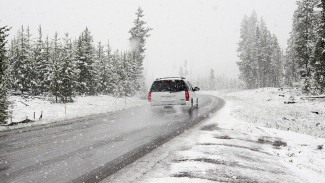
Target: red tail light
(149, 96)
(187, 96)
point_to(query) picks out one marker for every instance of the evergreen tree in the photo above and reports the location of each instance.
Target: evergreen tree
(4, 103)
(41, 65)
(55, 68)
(67, 72)
(260, 54)
(85, 53)
(124, 74)
(81, 65)
(21, 65)
(290, 65)
(114, 76)
(139, 34)
(257, 60)
(129, 67)
(304, 40)
(45, 67)
(212, 80)
(277, 60)
(103, 70)
(318, 63)
(247, 52)
(117, 73)
(111, 76)
(11, 55)
(31, 72)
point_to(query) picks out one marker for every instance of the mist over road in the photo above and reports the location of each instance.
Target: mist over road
(89, 149)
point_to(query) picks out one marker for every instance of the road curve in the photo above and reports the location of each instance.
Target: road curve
(92, 148)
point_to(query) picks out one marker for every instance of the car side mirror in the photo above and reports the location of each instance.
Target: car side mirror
(196, 89)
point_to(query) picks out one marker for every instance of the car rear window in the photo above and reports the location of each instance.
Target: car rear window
(168, 86)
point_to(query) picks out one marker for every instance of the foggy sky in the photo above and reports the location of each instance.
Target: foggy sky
(203, 32)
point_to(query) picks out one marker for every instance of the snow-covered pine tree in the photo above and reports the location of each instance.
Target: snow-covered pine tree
(4, 103)
(265, 51)
(124, 75)
(139, 34)
(89, 49)
(85, 56)
(258, 60)
(55, 68)
(318, 62)
(67, 72)
(304, 39)
(32, 74)
(45, 84)
(11, 55)
(246, 50)
(21, 67)
(130, 74)
(40, 64)
(212, 80)
(259, 52)
(117, 71)
(276, 64)
(103, 70)
(81, 65)
(291, 66)
(111, 75)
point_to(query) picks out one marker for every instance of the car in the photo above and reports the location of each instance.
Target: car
(173, 91)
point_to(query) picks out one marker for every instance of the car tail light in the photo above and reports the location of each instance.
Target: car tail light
(149, 96)
(187, 96)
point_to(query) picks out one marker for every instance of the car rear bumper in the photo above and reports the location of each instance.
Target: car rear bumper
(183, 104)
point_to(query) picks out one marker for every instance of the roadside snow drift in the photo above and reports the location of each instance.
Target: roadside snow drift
(25, 108)
(285, 109)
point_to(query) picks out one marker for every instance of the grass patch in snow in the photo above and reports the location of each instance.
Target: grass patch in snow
(211, 127)
(320, 147)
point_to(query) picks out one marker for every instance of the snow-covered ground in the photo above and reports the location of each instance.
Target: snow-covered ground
(52, 112)
(269, 107)
(240, 144)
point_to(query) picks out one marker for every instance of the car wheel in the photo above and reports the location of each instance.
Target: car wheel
(192, 107)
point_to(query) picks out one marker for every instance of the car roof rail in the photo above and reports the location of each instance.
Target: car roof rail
(170, 78)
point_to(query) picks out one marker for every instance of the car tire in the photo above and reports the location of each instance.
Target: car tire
(190, 110)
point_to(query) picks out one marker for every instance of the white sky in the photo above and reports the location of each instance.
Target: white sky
(203, 32)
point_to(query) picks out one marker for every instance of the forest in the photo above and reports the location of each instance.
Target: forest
(63, 67)
(264, 64)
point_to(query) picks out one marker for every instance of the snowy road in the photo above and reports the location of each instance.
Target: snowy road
(89, 149)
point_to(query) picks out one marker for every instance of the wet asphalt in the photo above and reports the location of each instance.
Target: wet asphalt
(92, 148)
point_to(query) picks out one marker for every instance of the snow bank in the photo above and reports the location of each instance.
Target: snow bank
(52, 112)
(284, 109)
